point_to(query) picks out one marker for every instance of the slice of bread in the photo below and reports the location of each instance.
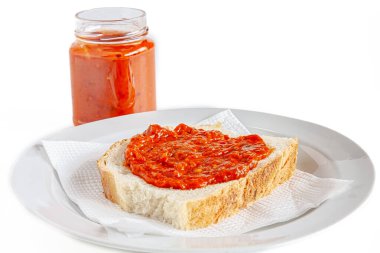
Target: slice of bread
(199, 208)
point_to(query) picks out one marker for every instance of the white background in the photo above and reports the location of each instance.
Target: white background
(314, 60)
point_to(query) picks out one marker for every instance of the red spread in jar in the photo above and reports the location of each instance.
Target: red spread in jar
(110, 80)
(190, 158)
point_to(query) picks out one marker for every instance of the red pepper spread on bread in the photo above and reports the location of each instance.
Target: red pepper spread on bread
(189, 158)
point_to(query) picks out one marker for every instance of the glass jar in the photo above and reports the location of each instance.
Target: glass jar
(112, 64)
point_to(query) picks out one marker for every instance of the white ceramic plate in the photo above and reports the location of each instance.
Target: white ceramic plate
(322, 151)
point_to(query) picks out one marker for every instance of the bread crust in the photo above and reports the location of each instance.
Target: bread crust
(224, 203)
(242, 192)
(108, 179)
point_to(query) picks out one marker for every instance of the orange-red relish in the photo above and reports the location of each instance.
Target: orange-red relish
(190, 158)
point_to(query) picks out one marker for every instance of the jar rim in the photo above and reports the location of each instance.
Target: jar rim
(111, 25)
(119, 13)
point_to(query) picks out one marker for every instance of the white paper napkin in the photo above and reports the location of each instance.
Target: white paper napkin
(75, 163)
